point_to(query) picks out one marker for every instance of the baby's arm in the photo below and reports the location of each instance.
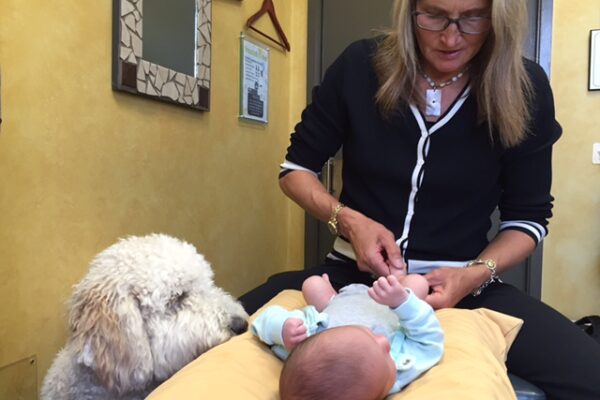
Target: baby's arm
(268, 326)
(277, 326)
(422, 339)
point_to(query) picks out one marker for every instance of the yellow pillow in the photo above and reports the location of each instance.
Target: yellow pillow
(476, 344)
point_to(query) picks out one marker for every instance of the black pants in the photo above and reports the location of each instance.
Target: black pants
(550, 351)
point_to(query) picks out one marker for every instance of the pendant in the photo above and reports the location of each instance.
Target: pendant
(433, 106)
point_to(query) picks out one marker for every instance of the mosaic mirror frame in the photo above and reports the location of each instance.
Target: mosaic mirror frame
(133, 74)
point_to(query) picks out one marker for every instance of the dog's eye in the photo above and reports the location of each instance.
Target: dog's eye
(177, 300)
(181, 297)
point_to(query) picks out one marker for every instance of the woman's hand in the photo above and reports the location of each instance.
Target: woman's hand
(449, 285)
(374, 245)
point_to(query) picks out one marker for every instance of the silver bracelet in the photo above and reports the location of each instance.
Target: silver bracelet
(489, 264)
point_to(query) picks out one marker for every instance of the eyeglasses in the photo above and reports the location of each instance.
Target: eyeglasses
(439, 23)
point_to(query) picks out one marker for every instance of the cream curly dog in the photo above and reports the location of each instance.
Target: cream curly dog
(147, 307)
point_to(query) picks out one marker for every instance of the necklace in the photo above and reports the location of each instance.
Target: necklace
(433, 96)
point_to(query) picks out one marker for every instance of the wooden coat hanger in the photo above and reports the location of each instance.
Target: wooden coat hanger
(268, 7)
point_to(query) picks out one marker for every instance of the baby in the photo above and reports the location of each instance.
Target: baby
(360, 343)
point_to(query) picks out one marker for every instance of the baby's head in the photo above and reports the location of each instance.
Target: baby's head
(348, 362)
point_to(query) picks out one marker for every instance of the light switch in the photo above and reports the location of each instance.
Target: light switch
(596, 153)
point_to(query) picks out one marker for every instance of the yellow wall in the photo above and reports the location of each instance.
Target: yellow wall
(571, 280)
(81, 165)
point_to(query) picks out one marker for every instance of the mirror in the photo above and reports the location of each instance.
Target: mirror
(162, 49)
(169, 34)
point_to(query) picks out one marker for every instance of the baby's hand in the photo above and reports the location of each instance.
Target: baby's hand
(293, 332)
(388, 291)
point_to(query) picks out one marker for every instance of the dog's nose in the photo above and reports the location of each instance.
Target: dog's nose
(238, 325)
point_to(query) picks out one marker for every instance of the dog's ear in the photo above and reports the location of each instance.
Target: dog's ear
(108, 332)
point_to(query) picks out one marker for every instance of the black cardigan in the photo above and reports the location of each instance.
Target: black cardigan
(434, 186)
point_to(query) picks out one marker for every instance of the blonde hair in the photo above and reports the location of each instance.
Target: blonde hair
(499, 80)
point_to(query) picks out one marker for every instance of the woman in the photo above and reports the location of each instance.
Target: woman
(440, 122)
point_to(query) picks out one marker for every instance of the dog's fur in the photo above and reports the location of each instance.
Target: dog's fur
(147, 307)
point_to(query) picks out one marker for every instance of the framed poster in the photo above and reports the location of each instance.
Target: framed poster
(254, 80)
(594, 83)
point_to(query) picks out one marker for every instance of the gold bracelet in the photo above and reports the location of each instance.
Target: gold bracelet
(332, 224)
(489, 264)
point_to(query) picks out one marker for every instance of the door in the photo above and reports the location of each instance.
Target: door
(333, 24)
